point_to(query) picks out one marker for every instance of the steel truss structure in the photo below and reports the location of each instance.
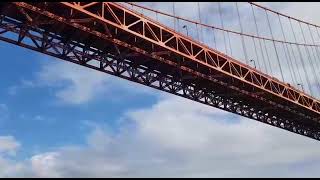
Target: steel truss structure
(109, 38)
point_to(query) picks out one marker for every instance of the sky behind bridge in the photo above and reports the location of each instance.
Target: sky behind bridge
(59, 119)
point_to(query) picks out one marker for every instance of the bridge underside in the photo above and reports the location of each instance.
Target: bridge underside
(53, 30)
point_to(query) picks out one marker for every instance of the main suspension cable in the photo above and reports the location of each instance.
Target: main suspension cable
(281, 14)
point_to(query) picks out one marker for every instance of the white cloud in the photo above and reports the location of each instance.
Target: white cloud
(45, 165)
(210, 15)
(78, 85)
(173, 138)
(75, 85)
(11, 169)
(180, 138)
(8, 145)
(176, 138)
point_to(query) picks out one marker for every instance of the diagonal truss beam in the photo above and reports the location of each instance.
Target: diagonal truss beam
(118, 51)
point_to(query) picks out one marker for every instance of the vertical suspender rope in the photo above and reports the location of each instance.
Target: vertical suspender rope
(312, 56)
(314, 42)
(315, 57)
(256, 52)
(303, 65)
(229, 43)
(228, 35)
(257, 31)
(156, 16)
(291, 64)
(199, 14)
(317, 51)
(288, 63)
(316, 80)
(317, 47)
(274, 45)
(214, 39)
(198, 29)
(174, 14)
(176, 20)
(197, 32)
(318, 33)
(224, 38)
(318, 38)
(178, 23)
(288, 58)
(296, 63)
(268, 58)
(242, 39)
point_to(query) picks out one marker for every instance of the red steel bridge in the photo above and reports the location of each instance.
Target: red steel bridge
(207, 62)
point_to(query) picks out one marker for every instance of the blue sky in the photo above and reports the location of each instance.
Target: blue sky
(30, 101)
(54, 124)
(59, 119)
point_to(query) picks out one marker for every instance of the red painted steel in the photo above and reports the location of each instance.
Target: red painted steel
(222, 29)
(192, 50)
(109, 28)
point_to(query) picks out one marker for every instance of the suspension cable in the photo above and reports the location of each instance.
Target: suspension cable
(242, 39)
(268, 59)
(218, 28)
(288, 63)
(281, 14)
(317, 50)
(201, 33)
(313, 41)
(157, 17)
(257, 32)
(222, 25)
(301, 58)
(214, 39)
(288, 58)
(315, 57)
(296, 63)
(174, 19)
(315, 77)
(256, 53)
(274, 45)
(228, 35)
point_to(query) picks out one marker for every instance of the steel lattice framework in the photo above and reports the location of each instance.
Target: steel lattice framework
(107, 37)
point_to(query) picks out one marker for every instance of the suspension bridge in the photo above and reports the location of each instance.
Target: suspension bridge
(239, 57)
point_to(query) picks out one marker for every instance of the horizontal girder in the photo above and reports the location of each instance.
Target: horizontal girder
(119, 42)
